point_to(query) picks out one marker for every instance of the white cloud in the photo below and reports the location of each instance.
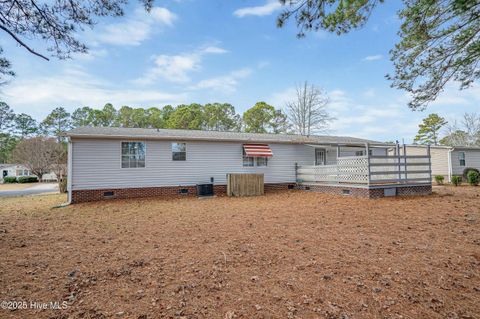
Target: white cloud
(280, 99)
(268, 8)
(214, 50)
(452, 95)
(373, 57)
(226, 83)
(74, 88)
(163, 15)
(369, 93)
(177, 68)
(136, 29)
(91, 54)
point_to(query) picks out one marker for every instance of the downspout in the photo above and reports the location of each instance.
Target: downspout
(450, 171)
(69, 171)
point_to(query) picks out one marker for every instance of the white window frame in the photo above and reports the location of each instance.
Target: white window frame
(171, 149)
(461, 157)
(144, 159)
(265, 163)
(247, 160)
(253, 160)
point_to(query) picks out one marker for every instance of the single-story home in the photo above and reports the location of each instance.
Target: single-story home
(107, 162)
(18, 170)
(449, 160)
(15, 170)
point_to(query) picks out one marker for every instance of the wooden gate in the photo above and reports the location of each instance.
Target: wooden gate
(245, 184)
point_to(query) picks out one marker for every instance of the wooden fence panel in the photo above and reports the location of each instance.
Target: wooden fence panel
(245, 184)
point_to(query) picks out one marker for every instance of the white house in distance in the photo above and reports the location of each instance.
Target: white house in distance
(15, 170)
(18, 170)
(106, 162)
(450, 160)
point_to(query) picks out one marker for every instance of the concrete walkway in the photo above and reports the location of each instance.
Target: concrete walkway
(36, 189)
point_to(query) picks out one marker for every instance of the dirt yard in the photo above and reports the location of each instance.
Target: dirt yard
(286, 255)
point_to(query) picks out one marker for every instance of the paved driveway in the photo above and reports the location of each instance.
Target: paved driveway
(36, 189)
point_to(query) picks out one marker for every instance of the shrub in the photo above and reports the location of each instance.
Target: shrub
(9, 179)
(62, 185)
(473, 178)
(439, 179)
(28, 179)
(456, 180)
(467, 170)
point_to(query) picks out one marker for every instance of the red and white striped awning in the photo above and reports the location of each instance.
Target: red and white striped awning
(257, 150)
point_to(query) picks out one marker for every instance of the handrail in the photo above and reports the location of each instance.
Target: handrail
(361, 170)
(396, 157)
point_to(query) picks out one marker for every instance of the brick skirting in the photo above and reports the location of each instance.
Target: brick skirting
(378, 192)
(80, 196)
(91, 195)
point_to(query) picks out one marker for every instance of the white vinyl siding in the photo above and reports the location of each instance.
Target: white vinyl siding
(472, 159)
(439, 158)
(97, 164)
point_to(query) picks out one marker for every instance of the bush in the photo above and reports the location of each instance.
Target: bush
(467, 170)
(9, 179)
(28, 179)
(62, 185)
(456, 180)
(439, 179)
(473, 178)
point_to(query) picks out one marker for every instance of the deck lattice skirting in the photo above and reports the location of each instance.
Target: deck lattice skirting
(91, 195)
(366, 192)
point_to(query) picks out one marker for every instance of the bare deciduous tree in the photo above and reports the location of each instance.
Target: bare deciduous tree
(467, 133)
(471, 124)
(308, 112)
(41, 155)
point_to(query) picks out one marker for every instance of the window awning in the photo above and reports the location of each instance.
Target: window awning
(257, 150)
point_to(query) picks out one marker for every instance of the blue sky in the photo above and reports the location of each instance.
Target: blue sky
(188, 51)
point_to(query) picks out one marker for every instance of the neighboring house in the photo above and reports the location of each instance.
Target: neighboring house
(449, 160)
(18, 170)
(49, 177)
(107, 162)
(15, 170)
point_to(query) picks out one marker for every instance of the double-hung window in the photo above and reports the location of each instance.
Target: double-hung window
(133, 154)
(249, 161)
(262, 161)
(461, 158)
(179, 151)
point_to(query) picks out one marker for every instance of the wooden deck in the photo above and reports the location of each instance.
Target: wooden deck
(369, 171)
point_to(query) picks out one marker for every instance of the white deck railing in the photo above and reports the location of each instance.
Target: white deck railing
(399, 169)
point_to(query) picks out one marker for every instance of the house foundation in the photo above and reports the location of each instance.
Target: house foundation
(91, 195)
(369, 191)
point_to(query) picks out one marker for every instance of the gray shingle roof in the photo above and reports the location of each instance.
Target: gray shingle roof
(171, 134)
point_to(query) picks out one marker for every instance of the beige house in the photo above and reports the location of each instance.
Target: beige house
(449, 160)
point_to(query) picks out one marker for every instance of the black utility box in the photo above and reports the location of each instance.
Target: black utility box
(205, 189)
